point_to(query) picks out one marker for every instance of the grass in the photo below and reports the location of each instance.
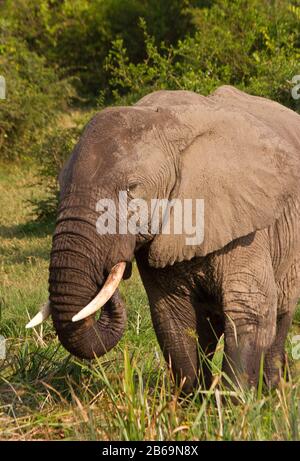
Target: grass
(128, 394)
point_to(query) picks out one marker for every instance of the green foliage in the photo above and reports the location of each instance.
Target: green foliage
(76, 35)
(52, 153)
(50, 47)
(35, 94)
(252, 45)
(45, 45)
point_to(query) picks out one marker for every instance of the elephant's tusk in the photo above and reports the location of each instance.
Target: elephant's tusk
(108, 289)
(41, 316)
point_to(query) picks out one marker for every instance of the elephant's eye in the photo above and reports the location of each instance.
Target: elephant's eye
(134, 190)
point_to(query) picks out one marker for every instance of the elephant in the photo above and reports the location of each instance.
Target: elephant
(239, 154)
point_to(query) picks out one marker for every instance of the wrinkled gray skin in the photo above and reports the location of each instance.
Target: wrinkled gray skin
(239, 153)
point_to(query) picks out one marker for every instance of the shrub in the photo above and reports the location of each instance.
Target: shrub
(252, 45)
(35, 95)
(76, 35)
(52, 153)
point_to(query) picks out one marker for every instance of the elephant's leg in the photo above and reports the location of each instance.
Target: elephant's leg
(174, 322)
(248, 335)
(174, 319)
(276, 360)
(288, 294)
(209, 329)
(250, 309)
(187, 337)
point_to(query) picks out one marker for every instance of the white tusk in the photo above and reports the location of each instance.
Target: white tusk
(108, 289)
(41, 316)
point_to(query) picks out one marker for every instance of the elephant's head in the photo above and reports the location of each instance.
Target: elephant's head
(170, 145)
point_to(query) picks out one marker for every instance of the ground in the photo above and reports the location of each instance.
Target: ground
(127, 395)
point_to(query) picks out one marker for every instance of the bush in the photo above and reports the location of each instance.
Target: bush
(252, 45)
(76, 35)
(35, 95)
(49, 46)
(52, 153)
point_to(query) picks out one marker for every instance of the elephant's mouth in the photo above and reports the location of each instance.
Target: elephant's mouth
(128, 271)
(110, 286)
(78, 329)
(120, 271)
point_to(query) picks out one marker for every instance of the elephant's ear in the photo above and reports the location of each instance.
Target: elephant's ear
(239, 166)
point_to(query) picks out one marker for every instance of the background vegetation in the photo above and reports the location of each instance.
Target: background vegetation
(63, 60)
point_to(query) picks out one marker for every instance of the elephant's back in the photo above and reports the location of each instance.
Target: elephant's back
(280, 119)
(169, 98)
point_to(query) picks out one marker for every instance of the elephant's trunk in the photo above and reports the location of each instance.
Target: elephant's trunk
(89, 337)
(79, 261)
